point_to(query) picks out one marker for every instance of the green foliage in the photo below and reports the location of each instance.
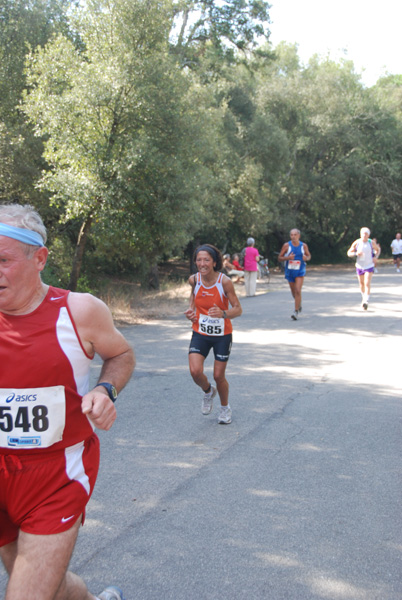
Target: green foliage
(147, 127)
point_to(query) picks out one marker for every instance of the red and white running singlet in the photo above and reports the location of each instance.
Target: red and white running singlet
(44, 374)
(205, 298)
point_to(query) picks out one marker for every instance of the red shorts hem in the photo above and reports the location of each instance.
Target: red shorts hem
(45, 497)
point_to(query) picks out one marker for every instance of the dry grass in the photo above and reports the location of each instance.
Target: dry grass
(130, 305)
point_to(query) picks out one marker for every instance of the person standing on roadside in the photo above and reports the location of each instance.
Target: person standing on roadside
(396, 247)
(364, 250)
(209, 312)
(49, 452)
(251, 258)
(295, 254)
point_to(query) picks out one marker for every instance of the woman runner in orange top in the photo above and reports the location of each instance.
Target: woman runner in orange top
(209, 312)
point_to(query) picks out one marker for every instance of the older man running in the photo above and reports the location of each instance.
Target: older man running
(364, 249)
(49, 452)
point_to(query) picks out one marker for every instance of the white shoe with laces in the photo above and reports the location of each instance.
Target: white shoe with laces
(225, 415)
(111, 593)
(207, 401)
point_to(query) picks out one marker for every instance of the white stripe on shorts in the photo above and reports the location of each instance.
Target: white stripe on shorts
(75, 467)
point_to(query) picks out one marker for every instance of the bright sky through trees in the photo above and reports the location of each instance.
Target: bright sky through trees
(364, 31)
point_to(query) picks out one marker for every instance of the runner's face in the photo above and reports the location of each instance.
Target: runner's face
(205, 263)
(294, 236)
(365, 236)
(19, 275)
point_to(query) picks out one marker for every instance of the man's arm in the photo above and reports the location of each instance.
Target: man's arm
(98, 335)
(307, 255)
(352, 250)
(283, 251)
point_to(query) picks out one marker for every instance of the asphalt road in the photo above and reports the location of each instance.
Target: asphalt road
(297, 499)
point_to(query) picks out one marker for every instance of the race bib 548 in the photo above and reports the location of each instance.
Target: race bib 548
(32, 417)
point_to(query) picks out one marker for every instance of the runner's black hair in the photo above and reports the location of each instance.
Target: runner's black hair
(213, 252)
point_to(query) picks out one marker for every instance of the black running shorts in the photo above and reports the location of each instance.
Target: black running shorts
(202, 344)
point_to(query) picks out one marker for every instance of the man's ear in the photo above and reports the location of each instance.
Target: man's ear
(41, 257)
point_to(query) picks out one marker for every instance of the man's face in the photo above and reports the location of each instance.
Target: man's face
(398, 236)
(364, 235)
(294, 235)
(19, 275)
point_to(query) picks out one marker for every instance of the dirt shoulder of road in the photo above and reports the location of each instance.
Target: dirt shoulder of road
(130, 305)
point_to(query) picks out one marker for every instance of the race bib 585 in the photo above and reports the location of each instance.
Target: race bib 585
(32, 417)
(211, 325)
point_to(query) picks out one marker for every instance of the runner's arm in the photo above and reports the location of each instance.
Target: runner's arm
(307, 255)
(191, 312)
(282, 253)
(98, 335)
(235, 310)
(352, 250)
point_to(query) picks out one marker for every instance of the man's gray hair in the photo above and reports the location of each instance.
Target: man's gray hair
(294, 229)
(24, 216)
(250, 241)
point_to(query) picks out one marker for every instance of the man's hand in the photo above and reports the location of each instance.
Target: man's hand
(99, 408)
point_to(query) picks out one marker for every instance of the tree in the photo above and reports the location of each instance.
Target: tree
(117, 136)
(23, 24)
(220, 28)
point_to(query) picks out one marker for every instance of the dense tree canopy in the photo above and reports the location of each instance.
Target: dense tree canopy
(140, 128)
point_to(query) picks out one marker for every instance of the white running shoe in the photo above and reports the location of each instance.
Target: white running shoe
(111, 593)
(225, 415)
(294, 316)
(207, 401)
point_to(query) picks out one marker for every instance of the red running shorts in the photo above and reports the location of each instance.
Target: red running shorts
(46, 494)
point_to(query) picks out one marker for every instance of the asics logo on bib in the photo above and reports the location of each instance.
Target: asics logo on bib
(210, 320)
(21, 398)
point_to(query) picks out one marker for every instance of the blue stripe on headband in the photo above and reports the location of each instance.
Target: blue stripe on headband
(26, 236)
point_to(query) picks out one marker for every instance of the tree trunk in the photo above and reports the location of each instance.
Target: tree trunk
(153, 278)
(79, 253)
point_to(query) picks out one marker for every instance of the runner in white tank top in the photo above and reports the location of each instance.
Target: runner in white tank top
(364, 250)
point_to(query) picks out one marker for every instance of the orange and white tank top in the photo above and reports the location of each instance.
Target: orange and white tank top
(205, 298)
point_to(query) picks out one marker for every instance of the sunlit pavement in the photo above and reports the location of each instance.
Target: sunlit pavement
(297, 499)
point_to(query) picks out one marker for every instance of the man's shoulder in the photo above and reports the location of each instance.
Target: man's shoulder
(81, 303)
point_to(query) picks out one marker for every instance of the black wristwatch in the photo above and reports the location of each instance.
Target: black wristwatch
(111, 390)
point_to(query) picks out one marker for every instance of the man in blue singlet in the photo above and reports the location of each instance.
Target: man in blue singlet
(295, 254)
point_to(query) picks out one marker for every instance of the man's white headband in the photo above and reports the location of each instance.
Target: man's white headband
(26, 236)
